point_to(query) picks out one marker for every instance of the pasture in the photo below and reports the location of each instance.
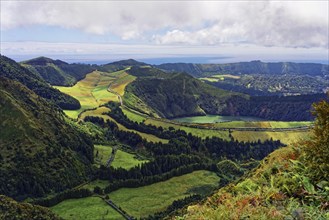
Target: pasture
(88, 208)
(286, 137)
(94, 91)
(122, 159)
(133, 116)
(142, 201)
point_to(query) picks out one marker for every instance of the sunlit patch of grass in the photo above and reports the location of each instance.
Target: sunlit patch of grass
(122, 159)
(143, 201)
(203, 133)
(85, 208)
(286, 137)
(133, 116)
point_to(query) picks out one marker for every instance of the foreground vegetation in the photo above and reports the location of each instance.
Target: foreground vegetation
(291, 183)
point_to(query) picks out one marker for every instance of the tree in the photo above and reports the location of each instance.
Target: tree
(317, 149)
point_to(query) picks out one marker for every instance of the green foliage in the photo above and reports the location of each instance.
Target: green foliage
(278, 189)
(12, 70)
(41, 152)
(12, 210)
(57, 72)
(174, 95)
(252, 67)
(317, 149)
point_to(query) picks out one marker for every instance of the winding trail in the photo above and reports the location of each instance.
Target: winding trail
(114, 92)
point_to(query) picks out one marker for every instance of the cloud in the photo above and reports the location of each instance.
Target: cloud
(266, 23)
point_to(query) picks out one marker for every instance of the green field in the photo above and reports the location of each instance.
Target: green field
(91, 92)
(85, 208)
(121, 82)
(133, 116)
(215, 118)
(203, 133)
(286, 137)
(262, 124)
(142, 201)
(122, 159)
(219, 77)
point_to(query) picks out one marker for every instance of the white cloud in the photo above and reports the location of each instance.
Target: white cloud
(269, 23)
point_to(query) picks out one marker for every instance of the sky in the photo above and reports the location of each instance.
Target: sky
(159, 31)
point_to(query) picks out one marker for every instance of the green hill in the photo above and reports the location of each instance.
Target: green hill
(39, 152)
(57, 72)
(174, 95)
(178, 94)
(120, 65)
(10, 210)
(257, 78)
(12, 70)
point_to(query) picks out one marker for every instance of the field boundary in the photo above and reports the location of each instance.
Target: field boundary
(299, 128)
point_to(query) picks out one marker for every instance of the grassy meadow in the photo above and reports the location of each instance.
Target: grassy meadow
(91, 92)
(133, 116)
(286, 137)
(122, 159)
(215, 118)
(142, 201)
(88, 208)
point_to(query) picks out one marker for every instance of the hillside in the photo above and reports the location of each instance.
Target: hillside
(10, 210)
(287, 185)
(12, 70)
(39, 152)
(174, 95)
(57, 72)
(258, 78)
(177, 94)
(280, 68)
(120, 65)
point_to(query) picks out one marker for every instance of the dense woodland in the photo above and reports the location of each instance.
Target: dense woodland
(39, 152)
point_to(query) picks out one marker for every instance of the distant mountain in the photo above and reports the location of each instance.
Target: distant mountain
(57, 72)
(39, 152)
(253, 67)
(12, 70)
(178, 94)
(122, 64)
(10, 209)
